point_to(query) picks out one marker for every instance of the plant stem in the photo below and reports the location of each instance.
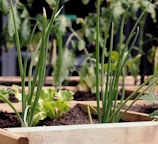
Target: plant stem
(22, 74)
(57, 79)
(97, 60)
(41, 67)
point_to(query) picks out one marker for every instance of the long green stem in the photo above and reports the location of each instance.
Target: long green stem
(152, 79)
(97, 60)
(31, 64)
(41, 68)
(48, 30)
(107, 103)
(13, 108)
(102, 64)
(29, 104)
(22, 74)
(60, 49)
(112, 76)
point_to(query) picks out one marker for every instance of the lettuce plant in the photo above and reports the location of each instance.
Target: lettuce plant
(52, 104)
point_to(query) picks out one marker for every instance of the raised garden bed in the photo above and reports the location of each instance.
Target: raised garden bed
(115, 133)
(78, 114)
(78, 121)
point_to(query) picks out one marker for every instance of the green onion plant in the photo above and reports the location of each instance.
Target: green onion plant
(114, 69)
(36, 80)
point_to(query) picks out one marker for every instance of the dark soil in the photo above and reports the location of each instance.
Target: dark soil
(74, 116)
(8, 120)
(148, 109)
(84, 96)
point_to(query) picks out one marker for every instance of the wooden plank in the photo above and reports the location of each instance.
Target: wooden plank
(10, 79)
(129, 80)
(48, 80)
(111, 133)
(128, 89)
(131, 89)
(130, 116)
(4, 107)
(7, 137)
(72, 88)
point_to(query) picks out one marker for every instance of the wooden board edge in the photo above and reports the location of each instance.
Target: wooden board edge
(112, 133)
(7, 137)
(129, 116)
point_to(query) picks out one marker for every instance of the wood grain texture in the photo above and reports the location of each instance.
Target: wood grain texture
(72, 88)
(48, 80)
(18, 106)
(129, 80)
(130, 116)
(116, 133)
(7, 137)
(6, 108)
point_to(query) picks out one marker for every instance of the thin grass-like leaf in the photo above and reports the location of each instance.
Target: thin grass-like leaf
(41, 68)
(97, 60)
(13, 108)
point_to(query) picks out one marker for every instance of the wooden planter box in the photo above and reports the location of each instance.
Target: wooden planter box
(142, 130)
(130, 116)
(49, 79)
(6, 81)
(112, 133)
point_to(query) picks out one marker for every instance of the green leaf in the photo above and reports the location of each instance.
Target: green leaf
(68, 61)
(39, 19)
(113, 67)
(24, 14)
(81, 45)
(40, 113)
(87, 77)
(118, 11)
(65, 95)
(85, 2)
(61, 23)
(10, 42)
(52, 104)
(115, 56)
(30, 2)
(20, 5)
(150, 98)
(17, 93)
(133, 65)
(34, 42)
(5, 93)
(25, 31)
(51, 3)
(4, 6)
(11, 30)
(153, 114)
(151, 9)
(134, 8)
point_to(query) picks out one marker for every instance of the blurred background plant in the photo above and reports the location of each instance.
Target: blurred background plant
(72, 40)
(116, 9)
